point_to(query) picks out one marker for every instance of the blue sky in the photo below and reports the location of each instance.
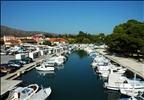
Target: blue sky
(70, 17)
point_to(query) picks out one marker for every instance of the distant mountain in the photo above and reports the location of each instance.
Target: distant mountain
(16, 32)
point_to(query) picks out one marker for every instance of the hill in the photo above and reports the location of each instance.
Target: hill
(16, 32)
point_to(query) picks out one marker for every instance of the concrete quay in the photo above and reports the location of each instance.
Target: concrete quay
(7, 82)
(131, 64)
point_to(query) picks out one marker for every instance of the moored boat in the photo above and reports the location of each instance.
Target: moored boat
(23, 93)
(41, 94)
(43, 67)
(117, 82)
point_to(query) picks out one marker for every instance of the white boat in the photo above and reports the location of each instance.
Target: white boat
(99, 60)
(23, 93)
(113, 71)
(131, 92)
(42, 94)
(43, 73)
(43, 67)
(59, 60)
(50, 63)
(133, 89)
(117, 82)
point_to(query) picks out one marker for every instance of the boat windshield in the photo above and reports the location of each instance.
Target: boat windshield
(27, 90)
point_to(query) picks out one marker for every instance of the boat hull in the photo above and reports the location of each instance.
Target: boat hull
(45, 69)
(42, 94)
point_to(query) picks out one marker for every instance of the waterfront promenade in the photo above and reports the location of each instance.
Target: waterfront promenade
(129, 63)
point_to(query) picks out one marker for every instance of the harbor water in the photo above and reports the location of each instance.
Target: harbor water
(76, 80)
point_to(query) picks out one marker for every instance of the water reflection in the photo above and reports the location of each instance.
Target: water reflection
(46, 74)
(60, 67)
(81, 53)
(113, 95)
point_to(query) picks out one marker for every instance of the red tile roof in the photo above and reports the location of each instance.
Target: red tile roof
(58, 40)
(15, 41)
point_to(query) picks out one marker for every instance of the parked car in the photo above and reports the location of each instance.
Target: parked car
(27, 60)
(5, 69)
(13, 67)
(15, 63)
(19, 61)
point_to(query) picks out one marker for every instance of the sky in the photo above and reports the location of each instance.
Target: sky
(70, 17)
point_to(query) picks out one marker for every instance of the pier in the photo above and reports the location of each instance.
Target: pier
(7, 82)
(129, 63)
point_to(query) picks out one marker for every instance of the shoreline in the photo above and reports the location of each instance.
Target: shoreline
(131, 64)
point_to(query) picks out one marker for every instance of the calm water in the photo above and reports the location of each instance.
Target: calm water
(75, 81)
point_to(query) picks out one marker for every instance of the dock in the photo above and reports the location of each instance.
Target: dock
(7, 82)
(7, 85)
(129, 63)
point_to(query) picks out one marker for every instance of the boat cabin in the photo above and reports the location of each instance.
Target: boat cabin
(21, 93)
(116, 79)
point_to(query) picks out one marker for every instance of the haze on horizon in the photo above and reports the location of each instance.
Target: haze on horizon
(70, 17)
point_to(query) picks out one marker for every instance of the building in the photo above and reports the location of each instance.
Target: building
(40, 38)
(58, 40)
(28, 41)
(24, 37)
(9, 37)
(12, 42)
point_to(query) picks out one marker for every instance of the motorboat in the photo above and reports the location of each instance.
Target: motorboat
(117, 82)
(133, 89)
(106, 69)
(131, 92)
(57, 60)
(50, 63)
(42, 94)
(23, 93)
(113, 71)
(99, 60)
(44, 73)
(43, 67)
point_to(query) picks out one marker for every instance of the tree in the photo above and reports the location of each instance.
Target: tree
(71, 40)
(47, 42)
(86, 41)
(82, 34)
(79, 40)
(127, 38)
